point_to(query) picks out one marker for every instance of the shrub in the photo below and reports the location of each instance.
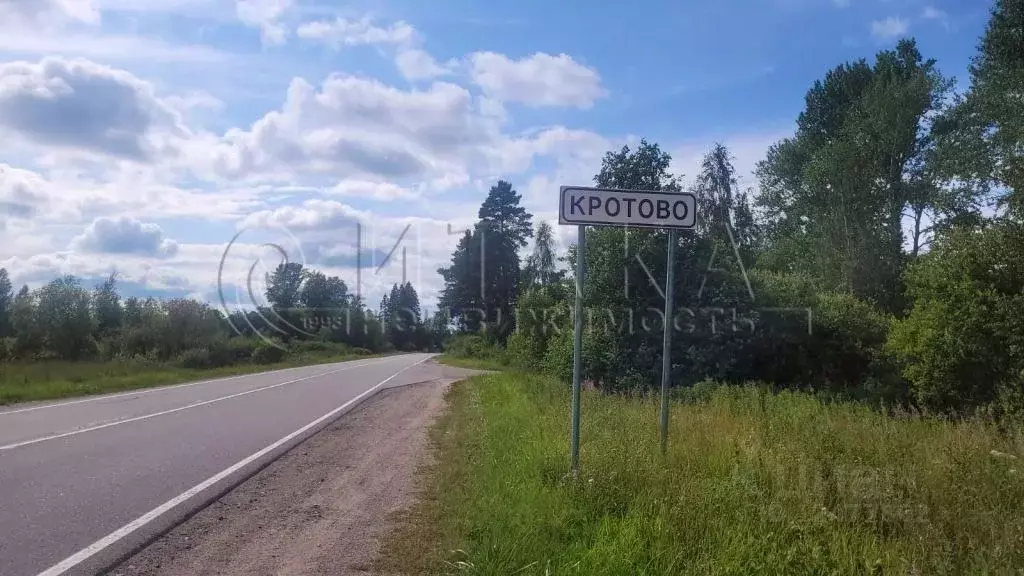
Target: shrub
(317, 347)
(962, 345)
(267, 354)
(521, 351)
(558, 358)
(195, 358)
(470, 346)
(359, 351)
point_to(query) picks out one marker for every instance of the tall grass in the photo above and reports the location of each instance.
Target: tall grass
(753, 483)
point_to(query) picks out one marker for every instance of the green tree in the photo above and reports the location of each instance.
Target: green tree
(284, 285)
(284, 293)
(482, 281)
(107, 307)
(540, 268)
(834, 196)
(6, 302)
(191, 324)
(503, 229)
(402, 318)
(63, 313)
(28, 337)
(462, 296)
(981, 139)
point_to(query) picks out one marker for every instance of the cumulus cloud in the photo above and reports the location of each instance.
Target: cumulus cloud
(124, 235)
(537, 80)
(82, 105)
(345, 32)
(889, 28)
(22, 193)
(265, 15)
(416, 64)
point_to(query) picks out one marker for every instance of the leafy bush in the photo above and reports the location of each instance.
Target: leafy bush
(521, 351)
(195, 358)
(558, 358)
(359, 351)
(267, 354)
(471, 346)
(318, 347)
(962, 345)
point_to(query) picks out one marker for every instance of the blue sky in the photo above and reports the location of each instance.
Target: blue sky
(142, 135)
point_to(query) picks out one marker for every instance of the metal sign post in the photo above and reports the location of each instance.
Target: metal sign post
(666, 338)
(577, 350)
(584, 207)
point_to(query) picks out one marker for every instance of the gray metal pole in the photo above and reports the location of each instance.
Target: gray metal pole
(666, 342)
(577, 352)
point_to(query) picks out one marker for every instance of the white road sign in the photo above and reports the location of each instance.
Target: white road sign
(638, 208)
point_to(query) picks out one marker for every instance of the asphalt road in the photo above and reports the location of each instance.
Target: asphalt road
(83, 482)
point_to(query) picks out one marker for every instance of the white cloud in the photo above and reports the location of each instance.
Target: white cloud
(80, 105)
(359, 128)
(537, 80)
(124, 235)
(193, 100)
(415, 64)
(110, 47)
(345, 32)
(47, 13)
(371, 190)
(933, 13)
(23, 195)
(265, 15)
(889, 28)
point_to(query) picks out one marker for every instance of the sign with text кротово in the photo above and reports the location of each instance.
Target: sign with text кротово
(636, 208)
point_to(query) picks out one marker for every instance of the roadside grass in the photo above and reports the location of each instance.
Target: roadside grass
(753, 483)
(49, 380)
(472, 363)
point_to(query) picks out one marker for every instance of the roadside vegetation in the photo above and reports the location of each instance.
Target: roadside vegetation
(754, 482)
(27, 381)
(63, 339)
(847, 363)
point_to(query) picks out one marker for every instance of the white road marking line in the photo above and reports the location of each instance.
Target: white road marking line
(170, 411)
(144, 391)
(124, 531)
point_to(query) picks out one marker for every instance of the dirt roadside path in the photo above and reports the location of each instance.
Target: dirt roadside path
(319, 509)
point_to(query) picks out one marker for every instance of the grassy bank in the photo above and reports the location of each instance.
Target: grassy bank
(753, 483)
(471, 363)
(26, 381)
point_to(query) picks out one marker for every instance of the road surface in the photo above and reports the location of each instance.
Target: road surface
(85, 481)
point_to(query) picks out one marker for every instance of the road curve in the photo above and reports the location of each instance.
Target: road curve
(83, 482)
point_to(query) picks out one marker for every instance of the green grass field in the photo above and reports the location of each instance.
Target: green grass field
(754, 483)
(26, 381)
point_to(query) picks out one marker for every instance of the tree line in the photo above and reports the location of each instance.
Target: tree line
(305, 310)
(880, 255)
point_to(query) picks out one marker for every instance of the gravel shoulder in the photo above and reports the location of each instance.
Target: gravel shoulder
(319, 509)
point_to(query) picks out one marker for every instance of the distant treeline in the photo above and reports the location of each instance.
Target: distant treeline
(65, 320)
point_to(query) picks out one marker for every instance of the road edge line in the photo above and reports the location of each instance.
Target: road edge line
(98, 556)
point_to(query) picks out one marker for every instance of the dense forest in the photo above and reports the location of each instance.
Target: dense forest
(879, 257)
